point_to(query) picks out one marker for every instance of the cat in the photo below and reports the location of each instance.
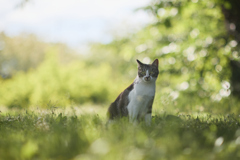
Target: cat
(136, 100)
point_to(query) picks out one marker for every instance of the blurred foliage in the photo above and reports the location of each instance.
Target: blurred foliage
(19, 53)
(55, 135)
(194, 50)
(188, 37)
(54, 83)
(191, 42)
(25, 52)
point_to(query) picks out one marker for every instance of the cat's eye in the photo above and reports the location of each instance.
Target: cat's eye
(143, 70)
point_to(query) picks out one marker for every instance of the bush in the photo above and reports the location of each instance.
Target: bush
(73, 83)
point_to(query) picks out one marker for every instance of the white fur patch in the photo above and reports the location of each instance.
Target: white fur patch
(148, 119)
(147, 73)
(139, 99)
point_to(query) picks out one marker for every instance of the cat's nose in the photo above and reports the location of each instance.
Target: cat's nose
(147, 78)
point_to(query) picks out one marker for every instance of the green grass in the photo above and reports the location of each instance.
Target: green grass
(60, 134)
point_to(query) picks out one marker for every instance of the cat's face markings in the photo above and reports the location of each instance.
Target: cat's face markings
(148, 71)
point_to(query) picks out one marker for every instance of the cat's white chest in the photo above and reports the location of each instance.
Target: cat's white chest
(139, 99)
(144, 89)
(141, 94)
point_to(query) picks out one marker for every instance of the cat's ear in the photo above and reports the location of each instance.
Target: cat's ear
(155, 63)
(139, 63)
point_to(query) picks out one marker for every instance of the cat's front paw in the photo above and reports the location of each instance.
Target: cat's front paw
(148, 119)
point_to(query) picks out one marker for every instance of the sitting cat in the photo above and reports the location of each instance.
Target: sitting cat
(136, 100)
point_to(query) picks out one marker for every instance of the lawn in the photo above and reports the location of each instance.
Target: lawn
(59, 134)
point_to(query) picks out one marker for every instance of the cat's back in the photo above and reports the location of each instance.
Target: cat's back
(124, 95)
(118, 107)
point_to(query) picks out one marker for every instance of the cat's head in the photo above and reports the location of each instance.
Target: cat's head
(148, 72)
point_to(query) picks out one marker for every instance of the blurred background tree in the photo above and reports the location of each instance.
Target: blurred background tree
(196, 42)
(231, 12)
(19, 54)
(199, 56)
(25, 52)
